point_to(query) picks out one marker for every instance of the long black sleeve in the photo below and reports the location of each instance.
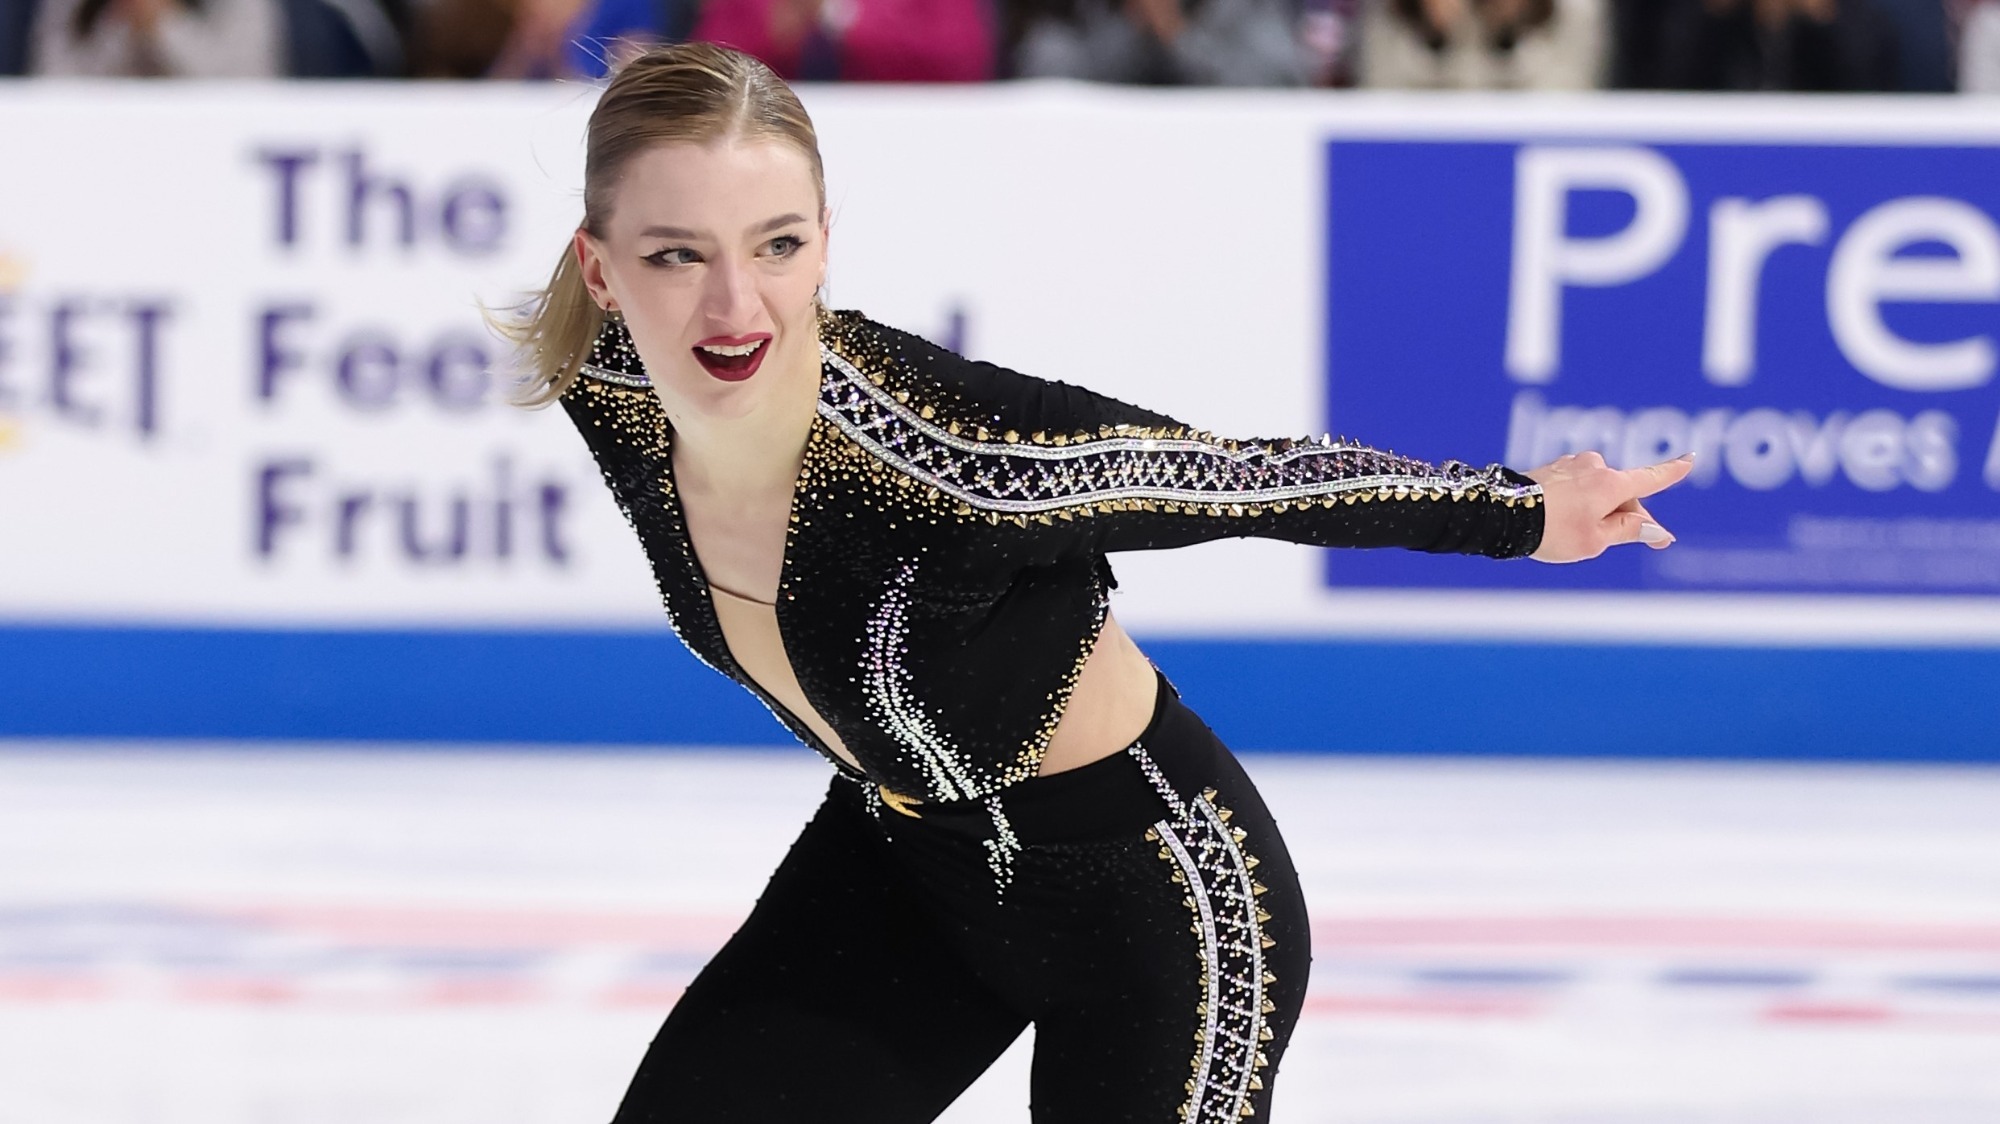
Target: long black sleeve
(1101, 475)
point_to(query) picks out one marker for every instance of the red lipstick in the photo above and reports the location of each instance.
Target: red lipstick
(733, 368)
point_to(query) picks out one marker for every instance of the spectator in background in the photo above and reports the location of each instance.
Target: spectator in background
(615, 30)
(1483, 44)
(1162, 42)
(535, 33)
(1979, 49)
(526, 39)
(810, 40)
(1783, 45)
(858, 40)
(1805, 45)
(203, 38)
(466, 39)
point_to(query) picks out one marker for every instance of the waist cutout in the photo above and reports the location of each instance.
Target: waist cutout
(1109, 797)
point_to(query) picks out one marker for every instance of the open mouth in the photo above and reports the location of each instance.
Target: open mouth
(732, 360)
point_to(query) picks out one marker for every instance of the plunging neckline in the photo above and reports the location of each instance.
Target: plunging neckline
(678, 510)
(678, 521)
(714, 588)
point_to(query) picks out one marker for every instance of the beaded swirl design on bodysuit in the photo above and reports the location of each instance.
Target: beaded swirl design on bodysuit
(892, 700)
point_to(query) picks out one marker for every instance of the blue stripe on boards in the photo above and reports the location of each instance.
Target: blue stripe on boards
(473, 686)
(1587, 700)
(643, 688)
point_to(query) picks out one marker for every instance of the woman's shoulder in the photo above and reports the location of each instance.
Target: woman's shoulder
(972, 396)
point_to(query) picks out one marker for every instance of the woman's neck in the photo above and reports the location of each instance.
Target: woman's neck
(757, 452)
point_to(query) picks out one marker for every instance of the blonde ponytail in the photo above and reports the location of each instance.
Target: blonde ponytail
(552, 332)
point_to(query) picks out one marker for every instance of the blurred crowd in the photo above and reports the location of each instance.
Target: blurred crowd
(1807, 45)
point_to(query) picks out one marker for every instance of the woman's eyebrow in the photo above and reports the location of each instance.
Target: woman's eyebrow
(766, 226)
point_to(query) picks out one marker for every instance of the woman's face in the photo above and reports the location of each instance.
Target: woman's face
(714, 252)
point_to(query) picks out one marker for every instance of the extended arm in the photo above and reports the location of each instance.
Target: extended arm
(1129, 479)
(1096, 474)
(1145, 481)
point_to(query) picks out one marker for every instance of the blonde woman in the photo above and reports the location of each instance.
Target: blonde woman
(902, 553)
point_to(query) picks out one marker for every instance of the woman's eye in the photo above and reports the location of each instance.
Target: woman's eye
(678, 255)
(785, 245)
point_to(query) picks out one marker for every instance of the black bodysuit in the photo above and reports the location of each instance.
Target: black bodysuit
(944, 579)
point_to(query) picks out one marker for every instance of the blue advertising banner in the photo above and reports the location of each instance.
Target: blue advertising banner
(1818, 323)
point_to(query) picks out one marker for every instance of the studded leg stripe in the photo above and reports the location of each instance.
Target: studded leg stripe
(1208, 858)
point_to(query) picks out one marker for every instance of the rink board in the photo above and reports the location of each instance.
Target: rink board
(259, 478)
(643, 689)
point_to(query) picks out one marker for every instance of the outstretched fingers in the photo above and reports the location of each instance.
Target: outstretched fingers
(1633, 523)
(1630, 522)
(1592, 507)
(1654, 478)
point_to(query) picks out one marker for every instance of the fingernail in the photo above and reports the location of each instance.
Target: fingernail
(1653, 532)
(1687, 456)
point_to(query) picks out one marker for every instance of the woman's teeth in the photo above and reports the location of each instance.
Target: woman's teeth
(731, 362)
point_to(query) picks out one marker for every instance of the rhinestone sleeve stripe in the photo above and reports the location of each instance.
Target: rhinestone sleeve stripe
(1034, 478)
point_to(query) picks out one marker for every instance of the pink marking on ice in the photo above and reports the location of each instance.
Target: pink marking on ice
(1829, 1012)
(238, 989)
(450, 993)
(1455, 1006)
(52, 988)
(660, 996)
(1349, 934)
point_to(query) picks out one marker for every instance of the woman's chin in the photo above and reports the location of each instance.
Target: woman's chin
(722, 400)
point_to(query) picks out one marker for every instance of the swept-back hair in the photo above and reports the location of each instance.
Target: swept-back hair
(685, 92)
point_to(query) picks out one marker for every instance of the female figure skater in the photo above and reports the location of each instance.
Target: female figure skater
(902, 554)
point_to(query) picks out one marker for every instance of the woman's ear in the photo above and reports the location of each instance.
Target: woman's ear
(825, 241)
(590, 264)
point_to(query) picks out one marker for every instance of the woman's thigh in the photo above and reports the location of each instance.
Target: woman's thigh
(1179, 1005)
(836, 1001)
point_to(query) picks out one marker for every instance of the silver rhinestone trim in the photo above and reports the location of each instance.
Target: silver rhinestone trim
(1001, 849)
(618, 378)
(1159, 782)
(1025, 478)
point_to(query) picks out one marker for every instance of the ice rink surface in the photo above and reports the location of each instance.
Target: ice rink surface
(232, 935)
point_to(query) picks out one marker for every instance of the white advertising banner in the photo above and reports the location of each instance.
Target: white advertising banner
(244, 379)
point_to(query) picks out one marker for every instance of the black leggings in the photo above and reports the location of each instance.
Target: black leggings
(1153, 933)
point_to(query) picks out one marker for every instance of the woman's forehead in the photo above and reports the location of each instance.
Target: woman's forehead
(722, 186)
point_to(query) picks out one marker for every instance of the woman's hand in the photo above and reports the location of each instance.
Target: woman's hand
(1590, 506)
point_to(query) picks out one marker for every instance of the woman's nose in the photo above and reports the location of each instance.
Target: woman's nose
(732, 296)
